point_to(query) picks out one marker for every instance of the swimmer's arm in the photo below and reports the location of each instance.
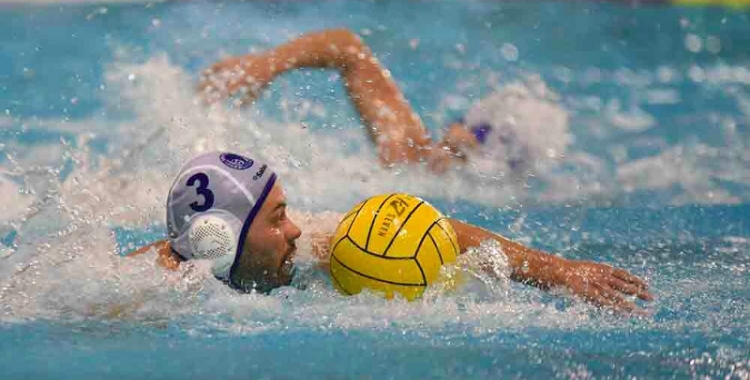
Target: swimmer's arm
(391, 121)
(595, 282)
(165, 257)
(374, 93)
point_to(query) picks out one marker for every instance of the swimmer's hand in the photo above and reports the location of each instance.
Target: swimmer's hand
(245, 76)
(601, 284)
(165, 258)
(456, 142)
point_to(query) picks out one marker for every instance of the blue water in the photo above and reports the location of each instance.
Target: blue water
(656, 180)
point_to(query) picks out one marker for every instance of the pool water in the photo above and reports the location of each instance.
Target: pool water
(99, 111)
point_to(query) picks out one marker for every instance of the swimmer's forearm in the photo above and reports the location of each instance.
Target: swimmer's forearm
(527, 265)
(376, 96)
(330, 48)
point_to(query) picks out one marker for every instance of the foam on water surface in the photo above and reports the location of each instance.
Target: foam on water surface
(78, 191)
(64, 230)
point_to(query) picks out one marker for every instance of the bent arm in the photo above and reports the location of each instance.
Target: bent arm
(391, 122)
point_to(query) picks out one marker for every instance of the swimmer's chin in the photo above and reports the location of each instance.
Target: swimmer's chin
(288, 269)
(292, 275)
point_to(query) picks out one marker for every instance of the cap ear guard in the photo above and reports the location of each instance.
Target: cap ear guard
(211, 236)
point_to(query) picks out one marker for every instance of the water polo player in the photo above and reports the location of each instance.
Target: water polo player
(231, 209)
(517, 126)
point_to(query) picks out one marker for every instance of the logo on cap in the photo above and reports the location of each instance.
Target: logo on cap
(260, 172)
(235, 161)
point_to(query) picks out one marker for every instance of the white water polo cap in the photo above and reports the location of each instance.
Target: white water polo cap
(212, 205)
(520, 124)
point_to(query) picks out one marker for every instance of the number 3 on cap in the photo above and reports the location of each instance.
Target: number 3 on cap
(202, 190)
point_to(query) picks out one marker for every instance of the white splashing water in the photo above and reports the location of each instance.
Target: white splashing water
(65, 264)
(64, 261)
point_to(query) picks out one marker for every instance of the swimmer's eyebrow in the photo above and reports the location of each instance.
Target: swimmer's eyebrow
(275, 211)
(278, 206)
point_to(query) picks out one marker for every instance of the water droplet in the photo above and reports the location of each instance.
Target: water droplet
(693, 43)
(713, 44)
(509, 52)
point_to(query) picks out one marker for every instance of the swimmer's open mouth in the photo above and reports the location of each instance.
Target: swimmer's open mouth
(287, 264)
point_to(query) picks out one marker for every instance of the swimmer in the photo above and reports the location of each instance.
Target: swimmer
(232, 210)
(397, 131)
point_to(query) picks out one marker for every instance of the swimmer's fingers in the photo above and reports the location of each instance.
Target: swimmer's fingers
(630, 289)
(629, 278)
(209, 90)
(221, 80)
(244, 77)
(604, 296)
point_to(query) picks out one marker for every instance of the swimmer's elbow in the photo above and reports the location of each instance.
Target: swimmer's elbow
(349, 43)
(344, 35)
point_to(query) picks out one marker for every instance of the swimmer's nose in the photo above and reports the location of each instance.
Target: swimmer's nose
(294, 232)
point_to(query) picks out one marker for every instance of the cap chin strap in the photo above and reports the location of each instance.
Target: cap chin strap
(244, 230)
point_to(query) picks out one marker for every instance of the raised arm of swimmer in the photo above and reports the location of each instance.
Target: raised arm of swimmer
(391, 123)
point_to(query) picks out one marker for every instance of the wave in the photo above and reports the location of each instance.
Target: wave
(63, 200)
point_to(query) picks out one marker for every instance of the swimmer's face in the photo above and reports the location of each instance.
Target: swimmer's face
(270, 246)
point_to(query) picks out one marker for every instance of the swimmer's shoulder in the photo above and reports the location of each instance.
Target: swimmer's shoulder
(165, 257)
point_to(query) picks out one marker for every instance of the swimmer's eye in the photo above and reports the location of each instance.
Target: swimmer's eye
(279, 217)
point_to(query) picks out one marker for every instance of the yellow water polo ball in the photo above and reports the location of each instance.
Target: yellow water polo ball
(391, 243)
